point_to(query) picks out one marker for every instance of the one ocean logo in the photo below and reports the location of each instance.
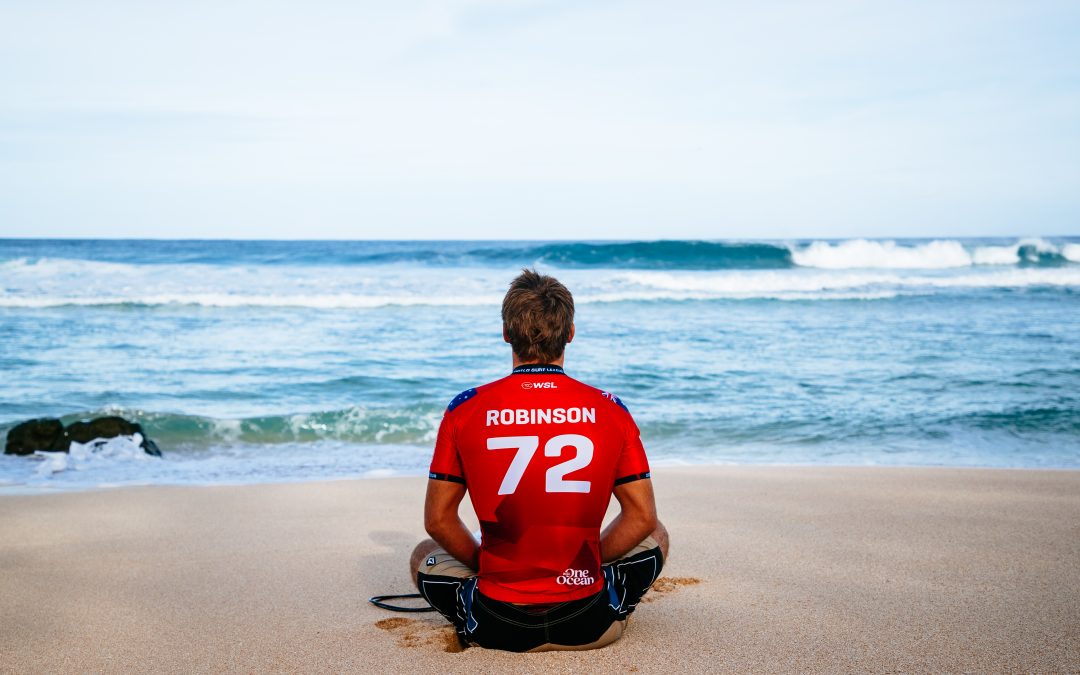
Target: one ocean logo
(573, 577)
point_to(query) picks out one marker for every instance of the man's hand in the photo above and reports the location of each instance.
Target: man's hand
(635, 521)
(442, 522)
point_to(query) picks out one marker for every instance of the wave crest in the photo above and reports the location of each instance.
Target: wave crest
(937, 254)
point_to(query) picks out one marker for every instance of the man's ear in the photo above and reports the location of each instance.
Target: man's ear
(571, 337)
(506, 334)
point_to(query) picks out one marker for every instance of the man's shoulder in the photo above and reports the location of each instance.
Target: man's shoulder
(615, 399)
(461, 398)
(470, 394)
(606, 395)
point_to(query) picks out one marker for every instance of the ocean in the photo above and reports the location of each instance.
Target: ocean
(266, 361)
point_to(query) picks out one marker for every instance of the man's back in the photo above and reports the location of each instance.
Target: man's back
(540, 453)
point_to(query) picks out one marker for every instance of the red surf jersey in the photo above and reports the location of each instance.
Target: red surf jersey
(540, 454)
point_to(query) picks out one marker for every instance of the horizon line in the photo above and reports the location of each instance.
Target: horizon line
(524, 240)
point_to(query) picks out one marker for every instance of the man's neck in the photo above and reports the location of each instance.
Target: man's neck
(556, 362)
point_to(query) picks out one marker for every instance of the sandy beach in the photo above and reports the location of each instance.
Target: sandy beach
(772, 569)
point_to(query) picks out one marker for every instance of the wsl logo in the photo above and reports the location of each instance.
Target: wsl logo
(573, 577)
(539, 385)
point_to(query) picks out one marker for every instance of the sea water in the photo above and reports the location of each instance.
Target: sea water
(263, 361)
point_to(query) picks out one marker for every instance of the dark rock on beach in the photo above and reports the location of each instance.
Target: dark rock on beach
(110, 427)
(102, 427)
(51, 436)
(41, 434)
(150, 447)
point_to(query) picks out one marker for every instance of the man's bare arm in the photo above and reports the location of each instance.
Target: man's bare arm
(636, 519)
(442, 522)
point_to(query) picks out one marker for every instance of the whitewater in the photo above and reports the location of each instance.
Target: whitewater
(266, 361)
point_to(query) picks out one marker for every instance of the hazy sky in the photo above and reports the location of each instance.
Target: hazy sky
(531, 119)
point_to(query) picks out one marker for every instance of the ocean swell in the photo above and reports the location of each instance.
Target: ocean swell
(65, 257)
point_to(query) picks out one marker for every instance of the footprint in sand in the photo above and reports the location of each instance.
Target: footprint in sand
(417, 633)
(665, 585)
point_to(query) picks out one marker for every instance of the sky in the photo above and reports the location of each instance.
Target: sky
(528, 119)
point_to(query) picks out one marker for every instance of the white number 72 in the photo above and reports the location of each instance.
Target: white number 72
(554, 478)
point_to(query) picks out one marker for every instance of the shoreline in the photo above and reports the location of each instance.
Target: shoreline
(772, 568)
(44, 488)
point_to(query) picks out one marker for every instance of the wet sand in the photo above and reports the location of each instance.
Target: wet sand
(772, 569)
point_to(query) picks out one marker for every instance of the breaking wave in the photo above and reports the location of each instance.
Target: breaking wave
(648, 255)
(937, 254)
(414, 424)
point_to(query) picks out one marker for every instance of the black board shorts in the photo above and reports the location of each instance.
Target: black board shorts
(590, 622)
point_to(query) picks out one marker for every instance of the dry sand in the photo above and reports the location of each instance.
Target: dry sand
(772, 569)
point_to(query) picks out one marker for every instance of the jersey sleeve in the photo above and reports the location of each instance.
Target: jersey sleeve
(445, 462)
(633, 464)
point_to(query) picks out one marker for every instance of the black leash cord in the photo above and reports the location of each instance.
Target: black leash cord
(378, 601)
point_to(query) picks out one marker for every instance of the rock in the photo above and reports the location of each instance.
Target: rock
(102, 427)
(41, 434)
(110, 427)
(50, 435)
(150, 447)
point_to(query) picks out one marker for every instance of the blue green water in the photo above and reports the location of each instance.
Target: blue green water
(267, 361)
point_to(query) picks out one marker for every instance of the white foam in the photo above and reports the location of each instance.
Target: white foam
(337, 301)
(81, 455)
(638, 286)
(862, 254)
(52, 462)
(937, 254)
(119, 447)
(807, 284)
(996, 255)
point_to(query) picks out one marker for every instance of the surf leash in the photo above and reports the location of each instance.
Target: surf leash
(380, 602)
